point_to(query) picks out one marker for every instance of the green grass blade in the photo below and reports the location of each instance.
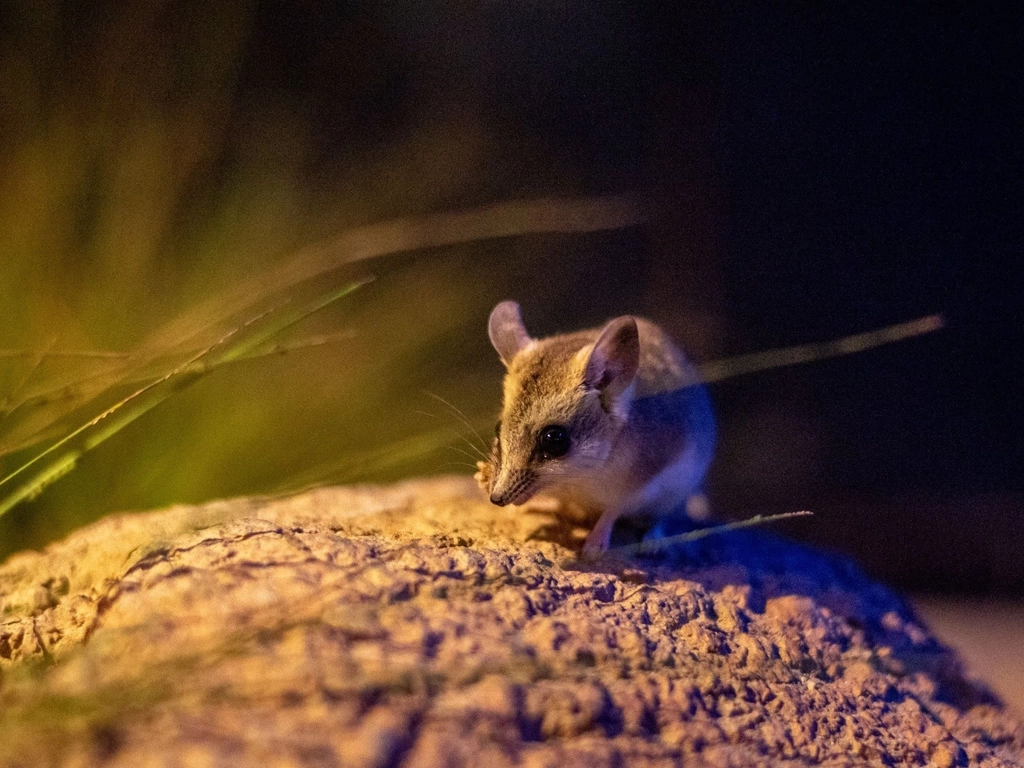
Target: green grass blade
(351, 469)
(717, 370)
(118, 416)
(281, 321)
(50, 474)
(655, 545)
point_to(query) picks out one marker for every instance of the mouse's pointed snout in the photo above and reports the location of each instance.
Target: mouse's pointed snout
(509, 487)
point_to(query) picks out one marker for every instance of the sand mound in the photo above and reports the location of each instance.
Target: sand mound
(416, 625)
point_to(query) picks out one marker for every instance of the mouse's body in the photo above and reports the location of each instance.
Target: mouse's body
(613, 421)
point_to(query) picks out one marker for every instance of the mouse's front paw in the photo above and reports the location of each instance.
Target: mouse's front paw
(595, 546)
(483, 475)
(599, 540)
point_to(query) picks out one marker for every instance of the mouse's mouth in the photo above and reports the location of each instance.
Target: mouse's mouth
(523, 496)
(519, 491)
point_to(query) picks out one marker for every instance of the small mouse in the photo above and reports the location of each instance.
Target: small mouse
(611, 421)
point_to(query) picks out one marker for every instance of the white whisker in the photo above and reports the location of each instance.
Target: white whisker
(458, 464)
(462, 417)
(467, 454)
(461, 436)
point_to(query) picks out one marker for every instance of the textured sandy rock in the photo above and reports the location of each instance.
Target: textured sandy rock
(416, 625)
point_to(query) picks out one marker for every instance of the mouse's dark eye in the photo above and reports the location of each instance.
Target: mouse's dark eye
(553, 442)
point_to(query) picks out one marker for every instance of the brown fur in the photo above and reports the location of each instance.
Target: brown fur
(620, 442)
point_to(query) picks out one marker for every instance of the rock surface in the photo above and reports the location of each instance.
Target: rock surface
(416, 625)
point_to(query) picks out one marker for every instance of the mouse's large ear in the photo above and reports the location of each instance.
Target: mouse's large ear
(614, 360)
(506, 331)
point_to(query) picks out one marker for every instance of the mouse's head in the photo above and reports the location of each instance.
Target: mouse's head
(565, 400)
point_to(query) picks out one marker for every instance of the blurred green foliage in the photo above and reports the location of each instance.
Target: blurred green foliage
(149, 208)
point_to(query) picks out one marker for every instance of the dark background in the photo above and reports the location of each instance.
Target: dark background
(805, 173)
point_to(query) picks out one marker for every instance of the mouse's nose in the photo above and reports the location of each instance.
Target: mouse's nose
(507, 487)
